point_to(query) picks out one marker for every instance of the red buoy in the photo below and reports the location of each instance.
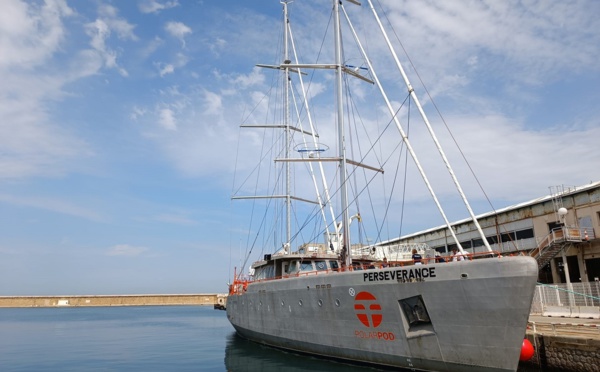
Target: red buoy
(526, 351)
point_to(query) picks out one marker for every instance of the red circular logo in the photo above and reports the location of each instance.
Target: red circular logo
(367, 309)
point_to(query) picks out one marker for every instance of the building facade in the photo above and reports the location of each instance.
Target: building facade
(561, 230)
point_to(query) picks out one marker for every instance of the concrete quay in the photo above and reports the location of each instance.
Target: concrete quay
(114, 300)
(564, 344)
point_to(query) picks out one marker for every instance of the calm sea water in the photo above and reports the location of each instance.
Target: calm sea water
(146, 338)
(153, 338)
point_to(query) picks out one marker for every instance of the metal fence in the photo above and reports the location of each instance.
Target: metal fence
(574, 299)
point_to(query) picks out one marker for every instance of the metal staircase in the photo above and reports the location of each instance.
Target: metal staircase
(550, 252)
(558, 239)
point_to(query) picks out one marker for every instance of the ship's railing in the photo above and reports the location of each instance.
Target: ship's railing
(241, 283)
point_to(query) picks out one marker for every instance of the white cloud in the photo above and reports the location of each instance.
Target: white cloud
(137, 112)
(538, 38)
(253, 79)
(178, 30)
(123, 28)
(179, 61)
(166, 69)
(125, 250)
(213, 104)
(152, 46)
(54, 205)
(154, 6)
(100, 31)
(30, 34)
(167, 119)
(31, 143)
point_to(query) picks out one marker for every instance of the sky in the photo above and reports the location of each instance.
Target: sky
(119, 123)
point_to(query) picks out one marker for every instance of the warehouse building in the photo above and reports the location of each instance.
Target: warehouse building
(560, 230)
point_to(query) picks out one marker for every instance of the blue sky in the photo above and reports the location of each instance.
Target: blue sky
(119, 124)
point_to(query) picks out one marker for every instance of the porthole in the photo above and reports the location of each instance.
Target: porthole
(337, 302)
(282, 303)
(300, 302)
(320, 303)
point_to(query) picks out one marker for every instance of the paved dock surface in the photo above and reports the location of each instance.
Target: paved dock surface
(564, 327)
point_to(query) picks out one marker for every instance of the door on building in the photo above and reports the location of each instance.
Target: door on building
(593, 269)
(554, 225)
(545, 274)
(574, 275)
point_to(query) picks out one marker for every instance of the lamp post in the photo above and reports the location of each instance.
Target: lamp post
(562, 215)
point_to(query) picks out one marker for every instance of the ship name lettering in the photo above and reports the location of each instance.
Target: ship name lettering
(401, 275)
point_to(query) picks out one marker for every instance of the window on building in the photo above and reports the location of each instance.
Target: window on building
(585, 222)
(524, 234)
(477, 242)
(508, 237)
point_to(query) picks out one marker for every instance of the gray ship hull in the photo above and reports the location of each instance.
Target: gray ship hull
(461, 316)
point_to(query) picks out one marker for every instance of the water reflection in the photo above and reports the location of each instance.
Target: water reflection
(243, 355)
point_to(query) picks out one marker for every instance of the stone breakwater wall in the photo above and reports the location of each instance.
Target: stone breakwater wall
(561, 353)
(113, 300)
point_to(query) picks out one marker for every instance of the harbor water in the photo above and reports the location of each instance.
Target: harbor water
(139, 338)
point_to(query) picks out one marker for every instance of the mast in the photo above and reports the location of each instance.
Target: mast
(346, 250)
(288, 199)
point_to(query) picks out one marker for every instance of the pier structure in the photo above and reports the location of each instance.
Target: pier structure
(564, 344)
(211, 299)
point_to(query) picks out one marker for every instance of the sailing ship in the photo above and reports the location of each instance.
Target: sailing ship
(320, 293)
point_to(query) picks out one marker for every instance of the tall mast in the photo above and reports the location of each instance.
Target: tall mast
(346, 249)
(288, 192)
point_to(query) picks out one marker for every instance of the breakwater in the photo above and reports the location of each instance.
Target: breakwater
(114, 300)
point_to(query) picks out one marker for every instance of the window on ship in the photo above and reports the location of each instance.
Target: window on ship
(270, 272)
(306, 266)
(321, 265)
(292, 268)
(333, 265)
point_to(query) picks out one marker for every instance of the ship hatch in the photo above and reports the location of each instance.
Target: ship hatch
(415, 316)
